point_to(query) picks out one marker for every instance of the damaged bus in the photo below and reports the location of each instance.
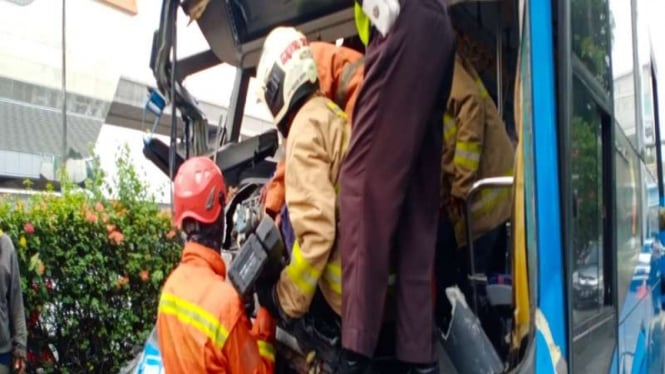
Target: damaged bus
(585, 290)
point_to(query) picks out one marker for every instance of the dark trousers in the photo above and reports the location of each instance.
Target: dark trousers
(390, 182)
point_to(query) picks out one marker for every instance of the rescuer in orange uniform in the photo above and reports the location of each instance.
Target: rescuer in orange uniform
(340, 72)
(201, 323)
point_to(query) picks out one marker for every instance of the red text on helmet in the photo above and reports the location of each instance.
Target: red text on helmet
(291, 48)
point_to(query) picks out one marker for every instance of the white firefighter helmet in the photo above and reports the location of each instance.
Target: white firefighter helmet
(286, 73)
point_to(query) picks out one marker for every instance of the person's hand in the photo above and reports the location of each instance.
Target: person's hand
(19, 365)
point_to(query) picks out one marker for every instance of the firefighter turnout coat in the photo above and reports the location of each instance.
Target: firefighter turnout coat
(476, 146)
(340, 71)
(317, 142)
(201, 322)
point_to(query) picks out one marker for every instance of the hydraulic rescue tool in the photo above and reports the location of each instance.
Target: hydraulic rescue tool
(260, 258)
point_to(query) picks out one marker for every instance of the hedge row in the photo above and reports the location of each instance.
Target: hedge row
(91, 270)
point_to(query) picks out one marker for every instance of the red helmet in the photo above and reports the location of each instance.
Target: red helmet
(199, 191)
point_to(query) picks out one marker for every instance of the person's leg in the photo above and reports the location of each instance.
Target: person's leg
(404, 76)
(416, 244)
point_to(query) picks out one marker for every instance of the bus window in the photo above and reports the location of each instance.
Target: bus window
(591, 238)
(590, 27)
(589, 248)
(628, 219)
(587, 216)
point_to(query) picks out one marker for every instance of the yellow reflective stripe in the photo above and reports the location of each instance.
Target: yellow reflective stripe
(489, 199)
(362, 24)
(467, 155)
(192, 315)
(303, 275)
(466, 159)
(266, 350)
(483, 91)
(336, 109)
(449, 128)
(471, 147)
(332, 275)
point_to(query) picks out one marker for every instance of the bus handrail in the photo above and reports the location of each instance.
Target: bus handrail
(483, 184)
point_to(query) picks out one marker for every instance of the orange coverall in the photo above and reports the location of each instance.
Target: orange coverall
(340, 77)
(201, 323)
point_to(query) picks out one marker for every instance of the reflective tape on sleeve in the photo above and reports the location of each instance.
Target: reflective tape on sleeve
(194, 316)
(266, 350)
(301, 273)
(449, 128)
(466, 157)
(332, 275)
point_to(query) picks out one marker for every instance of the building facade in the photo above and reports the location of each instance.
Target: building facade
(107, 46)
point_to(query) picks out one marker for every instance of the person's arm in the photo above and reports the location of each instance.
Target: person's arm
(310, 198)
(250, 349)
(469, 141)
(275, 191)
(17, 310)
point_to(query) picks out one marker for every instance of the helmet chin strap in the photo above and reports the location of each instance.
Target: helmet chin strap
(285, 125)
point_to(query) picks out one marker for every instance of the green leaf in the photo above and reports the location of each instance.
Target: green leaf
(157, 276)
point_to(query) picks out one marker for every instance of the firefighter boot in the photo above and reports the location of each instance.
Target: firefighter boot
(352, 363)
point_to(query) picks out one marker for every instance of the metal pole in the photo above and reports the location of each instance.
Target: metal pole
(64, 84)
(237, 104)
(487, 183)
(499, 61)
(659, 151)
(174, 122)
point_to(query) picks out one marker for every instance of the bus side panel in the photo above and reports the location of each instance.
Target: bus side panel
(551, 300)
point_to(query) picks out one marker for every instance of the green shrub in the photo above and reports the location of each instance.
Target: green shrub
(91, 269)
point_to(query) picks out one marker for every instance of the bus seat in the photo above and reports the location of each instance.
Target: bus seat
(465, 341)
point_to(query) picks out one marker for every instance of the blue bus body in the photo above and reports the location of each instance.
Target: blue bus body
(633, 305)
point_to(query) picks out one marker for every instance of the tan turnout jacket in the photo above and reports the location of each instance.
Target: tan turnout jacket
(316, 144)
(476, 146)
